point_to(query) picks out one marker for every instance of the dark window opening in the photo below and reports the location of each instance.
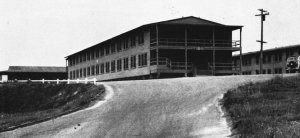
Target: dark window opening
(107, 67)
(143, 60)
(113, 66)
(102, 68)
(119, 65)
(97, 69)
(125, 63)
(141, 38)
(133, 62)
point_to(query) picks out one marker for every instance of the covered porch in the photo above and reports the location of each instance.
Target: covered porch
(194, 50)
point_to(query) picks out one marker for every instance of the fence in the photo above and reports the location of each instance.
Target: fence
(57, 81)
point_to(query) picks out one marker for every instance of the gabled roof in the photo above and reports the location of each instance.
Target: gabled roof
(190, 20)
(36, 69)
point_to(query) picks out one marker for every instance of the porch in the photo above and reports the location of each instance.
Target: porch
(197, 50)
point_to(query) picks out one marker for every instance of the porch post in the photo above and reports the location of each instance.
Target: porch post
(67, 68)
(156, 27)
(185, 48)
(241, 51)
(214, 52)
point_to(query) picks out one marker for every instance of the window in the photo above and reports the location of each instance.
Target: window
(76, 60)
(92, 55)
(70, 74)
(269, 58)
(101, 51)
(132, 41)
(264, 71)
(246, 61)
(69, 62)
(141, 38)
(278, 57)
(125, 43)
(257, 71)
(107, 50)
(80, 73)
(80, 58)
(93, 70)
(143, 60)
(113, 48)
(279, 70)
(84, 57)
(113, 66)
(125, 63)
(269, 71)
(102, 68)
(133, 62)
(119, 65)
(84, 72)
(77, 73)
(289, 52)
(74, 74)
(88, 57)
(257, 59)
(119, 46)
(88, 71)
(107, 67)
(97, 53)
(97, 69)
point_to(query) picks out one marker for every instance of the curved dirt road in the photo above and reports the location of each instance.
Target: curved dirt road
(182, 107)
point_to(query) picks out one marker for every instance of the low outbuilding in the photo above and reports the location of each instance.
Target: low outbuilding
(34, 73)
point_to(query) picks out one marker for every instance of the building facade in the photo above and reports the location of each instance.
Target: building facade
(274, 60)
(186, 46)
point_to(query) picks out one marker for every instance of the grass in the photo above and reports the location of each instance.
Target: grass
(22, 104)
(266, 110)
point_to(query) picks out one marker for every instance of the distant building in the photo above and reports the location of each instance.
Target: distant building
(34, 73)
(186, 46)
(274, 60)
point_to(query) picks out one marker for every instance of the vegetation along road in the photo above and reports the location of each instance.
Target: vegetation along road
(181, 107)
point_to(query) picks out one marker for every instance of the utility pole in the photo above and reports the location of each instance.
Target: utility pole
(262, 14)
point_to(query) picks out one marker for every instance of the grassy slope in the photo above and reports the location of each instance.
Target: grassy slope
(268, 109)
(27, 103)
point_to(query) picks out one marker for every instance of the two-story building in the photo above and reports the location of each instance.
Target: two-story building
(187, 46)
(274, 60)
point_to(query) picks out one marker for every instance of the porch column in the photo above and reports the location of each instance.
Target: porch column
(214, 52)
(67, 68)
(156, 27)
(241, 51)
(185, 48)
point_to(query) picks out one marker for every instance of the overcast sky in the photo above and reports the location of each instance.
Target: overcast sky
(43, 32)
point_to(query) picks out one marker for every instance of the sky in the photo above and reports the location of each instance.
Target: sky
(44, 32)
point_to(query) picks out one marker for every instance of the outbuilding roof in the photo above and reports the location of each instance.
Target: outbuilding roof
(34, 69)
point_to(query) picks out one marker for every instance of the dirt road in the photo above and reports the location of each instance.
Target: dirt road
(182, 107)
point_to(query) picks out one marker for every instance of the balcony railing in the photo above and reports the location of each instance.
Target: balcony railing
(194, 42)
(162, 61)
(223, 67)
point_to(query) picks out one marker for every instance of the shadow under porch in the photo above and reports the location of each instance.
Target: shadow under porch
(199, 62)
